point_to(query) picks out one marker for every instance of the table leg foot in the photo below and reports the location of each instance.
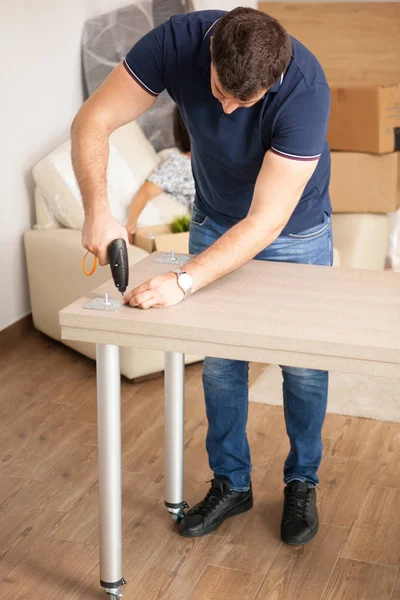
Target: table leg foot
(114, 590)
(177, 511)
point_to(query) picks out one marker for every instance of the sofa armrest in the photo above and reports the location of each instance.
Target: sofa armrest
(54, 260)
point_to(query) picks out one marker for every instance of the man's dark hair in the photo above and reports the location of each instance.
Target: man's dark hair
(250, 51)
(181, 135)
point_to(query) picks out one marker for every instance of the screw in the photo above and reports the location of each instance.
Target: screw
(173, 257)
(106, 300)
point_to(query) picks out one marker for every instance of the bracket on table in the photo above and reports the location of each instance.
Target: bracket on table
(104, 304)
(171, 258)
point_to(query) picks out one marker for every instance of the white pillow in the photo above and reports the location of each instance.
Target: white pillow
(56, 181)
(44, 218)
(136, 150)
(161, 211)
(131, 160)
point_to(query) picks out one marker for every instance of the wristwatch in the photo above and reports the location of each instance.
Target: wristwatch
(185, 282)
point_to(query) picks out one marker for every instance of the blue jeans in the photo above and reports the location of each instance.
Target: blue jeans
(225, 382)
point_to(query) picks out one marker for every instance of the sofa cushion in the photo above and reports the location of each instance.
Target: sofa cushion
(44, 217)
(131, 160)
(135, 149)
(55, 178)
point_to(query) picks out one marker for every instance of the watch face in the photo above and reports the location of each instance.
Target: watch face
(185, 281)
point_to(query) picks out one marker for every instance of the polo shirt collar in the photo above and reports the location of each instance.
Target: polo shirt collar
(277, 85)
(205, 52)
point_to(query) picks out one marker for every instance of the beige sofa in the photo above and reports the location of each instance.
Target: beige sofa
(362, 239)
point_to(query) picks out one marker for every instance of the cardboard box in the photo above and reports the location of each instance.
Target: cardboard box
(365, 119)
(365, 183)
(161, 238)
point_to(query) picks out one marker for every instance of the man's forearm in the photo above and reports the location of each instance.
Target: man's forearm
(237, 246)
(89, 150)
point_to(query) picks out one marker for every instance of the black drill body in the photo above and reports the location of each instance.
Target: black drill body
(118, 258)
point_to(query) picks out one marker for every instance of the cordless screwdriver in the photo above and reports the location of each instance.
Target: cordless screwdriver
(118, 258)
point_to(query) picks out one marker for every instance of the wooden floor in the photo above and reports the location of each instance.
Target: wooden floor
(48, 497)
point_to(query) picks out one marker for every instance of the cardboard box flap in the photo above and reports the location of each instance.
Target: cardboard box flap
(161, 238)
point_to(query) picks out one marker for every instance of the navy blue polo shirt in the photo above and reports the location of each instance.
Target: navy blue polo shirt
(228, 150)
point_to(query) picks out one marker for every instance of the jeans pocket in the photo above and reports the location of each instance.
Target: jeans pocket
(312, 233)
(198, 217)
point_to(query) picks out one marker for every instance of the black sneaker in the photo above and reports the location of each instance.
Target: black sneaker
(300, 515)
(220, 503)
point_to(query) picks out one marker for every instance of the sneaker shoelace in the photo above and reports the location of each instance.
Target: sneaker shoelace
(212, 499)
(298, 503)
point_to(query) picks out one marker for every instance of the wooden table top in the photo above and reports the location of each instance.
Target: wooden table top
(299, 315)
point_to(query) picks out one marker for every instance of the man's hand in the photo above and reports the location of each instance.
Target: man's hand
(99, 231)
(159, 292)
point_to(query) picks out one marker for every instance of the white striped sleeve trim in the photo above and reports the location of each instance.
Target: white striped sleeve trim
(140, 82)
(295, 156)
(209, 29)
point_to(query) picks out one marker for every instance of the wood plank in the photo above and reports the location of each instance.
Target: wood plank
(356, 43)
(65, 484)
(81, 523)
(303, 309)
(396, 590)
(375, 533)
(343, 484)
(175, 567)
(286, 580)
(273, 474)
(20, 528)
(49, 564)
(42, 455)
(86, 587)
(33, 413)
(217, 582)
(387, 474)
(366, 439)
(253, 540)
(334, 425)
(358, 580)
(9, 487)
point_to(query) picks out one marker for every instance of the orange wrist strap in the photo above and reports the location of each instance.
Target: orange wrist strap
(93, 267)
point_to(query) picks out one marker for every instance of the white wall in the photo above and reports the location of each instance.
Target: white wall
(40, 93)
(41, 90)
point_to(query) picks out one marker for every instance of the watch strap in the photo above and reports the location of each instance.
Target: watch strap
(185, 292)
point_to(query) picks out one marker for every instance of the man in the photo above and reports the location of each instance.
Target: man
(255, 103)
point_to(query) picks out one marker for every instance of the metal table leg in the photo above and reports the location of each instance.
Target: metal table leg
(174, 427)
(109, 449)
